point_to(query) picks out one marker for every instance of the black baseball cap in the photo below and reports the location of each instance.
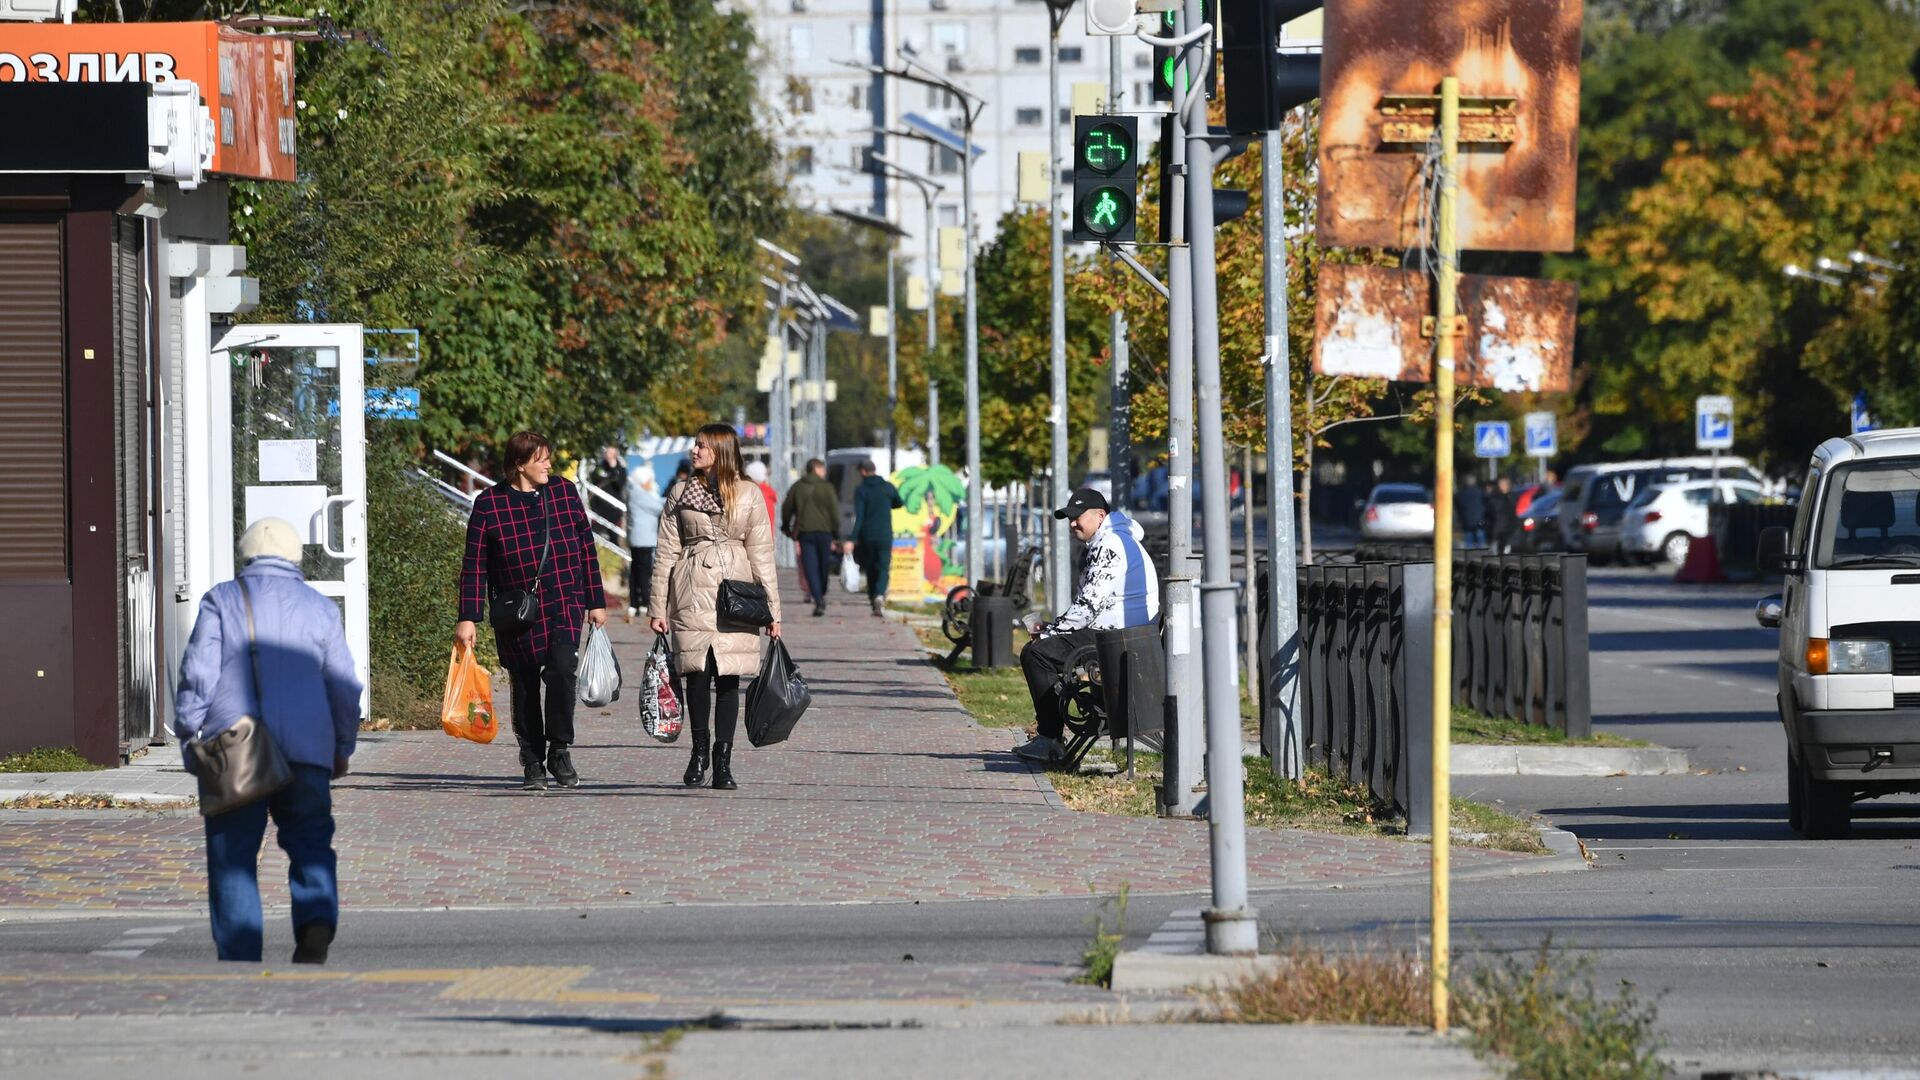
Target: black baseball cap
(1083, 500)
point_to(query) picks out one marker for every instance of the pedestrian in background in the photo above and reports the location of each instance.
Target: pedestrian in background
(530, 534)
(1470, 513)
(269, 622)
(811, 517)
(714, 529)
(874, 502)
(1502, 521)
(609, 474)
(644, 503)
(757, 472)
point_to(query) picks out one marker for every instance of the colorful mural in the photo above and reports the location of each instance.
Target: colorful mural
(924, 567)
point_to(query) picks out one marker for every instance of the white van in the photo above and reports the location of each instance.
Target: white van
(1849, 621)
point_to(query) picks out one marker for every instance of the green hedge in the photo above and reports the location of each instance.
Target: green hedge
(415, 540)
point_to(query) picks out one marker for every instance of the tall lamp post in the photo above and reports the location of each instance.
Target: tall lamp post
(929, 187)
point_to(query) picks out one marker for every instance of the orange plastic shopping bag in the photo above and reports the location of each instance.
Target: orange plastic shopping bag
(466, 710)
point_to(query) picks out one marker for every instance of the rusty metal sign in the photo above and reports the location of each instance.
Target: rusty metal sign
(1518, 62)
(1374, 322)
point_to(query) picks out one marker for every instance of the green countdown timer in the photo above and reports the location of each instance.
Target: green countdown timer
(1106, 210)
(1106, 149)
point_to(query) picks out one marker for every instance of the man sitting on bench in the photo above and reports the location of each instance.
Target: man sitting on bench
(1118, 588)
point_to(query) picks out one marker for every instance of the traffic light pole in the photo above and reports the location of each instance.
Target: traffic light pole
(1183, 766)
(1232, 926)
(1059, 550)
(1120, 401)
(1283, 697)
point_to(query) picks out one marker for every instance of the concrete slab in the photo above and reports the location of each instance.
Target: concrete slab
(1472, 759)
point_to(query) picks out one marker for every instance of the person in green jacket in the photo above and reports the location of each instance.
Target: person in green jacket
(811, 516)
(874, 502)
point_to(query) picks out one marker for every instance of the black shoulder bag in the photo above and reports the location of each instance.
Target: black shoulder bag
(516, 610)
(241, 764)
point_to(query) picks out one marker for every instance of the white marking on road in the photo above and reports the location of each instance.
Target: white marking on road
(131, 943)
(119, 954)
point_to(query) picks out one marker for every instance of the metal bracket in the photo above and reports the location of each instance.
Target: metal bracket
(1412, 119)
(1134, 264)
(1429, 325)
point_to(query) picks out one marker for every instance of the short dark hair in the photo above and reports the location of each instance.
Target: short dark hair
(523, 447)
(866, 467)
(815, 463)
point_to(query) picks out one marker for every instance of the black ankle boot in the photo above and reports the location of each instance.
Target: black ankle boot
(560, 764)
(310, 943)
(723, 767)
(696, 767)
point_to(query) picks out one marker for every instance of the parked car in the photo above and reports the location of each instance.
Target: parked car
(1397, 512)
(1539, 524)
(1595, 497)
(1849, 629)
(1664, 520)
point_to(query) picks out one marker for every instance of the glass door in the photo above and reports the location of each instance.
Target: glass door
(298, 423)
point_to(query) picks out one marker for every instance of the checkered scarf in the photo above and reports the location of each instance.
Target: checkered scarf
(696, 495)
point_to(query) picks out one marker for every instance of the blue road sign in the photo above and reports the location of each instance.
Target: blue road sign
(393, 403)
(1860, 420)
(1492, 439)
(1713, 422)
(1543, 438)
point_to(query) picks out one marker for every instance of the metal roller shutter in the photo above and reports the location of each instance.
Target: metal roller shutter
(33, 442)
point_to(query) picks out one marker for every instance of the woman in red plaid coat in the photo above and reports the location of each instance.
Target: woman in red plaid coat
(512, 525)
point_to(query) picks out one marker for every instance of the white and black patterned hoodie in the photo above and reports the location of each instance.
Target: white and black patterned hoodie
(1118, 585)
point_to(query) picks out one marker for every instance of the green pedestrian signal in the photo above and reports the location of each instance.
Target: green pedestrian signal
(1105, 168)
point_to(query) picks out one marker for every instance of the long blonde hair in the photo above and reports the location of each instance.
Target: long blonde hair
(726, 469)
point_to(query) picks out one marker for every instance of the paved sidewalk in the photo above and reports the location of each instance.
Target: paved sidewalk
(888, 791)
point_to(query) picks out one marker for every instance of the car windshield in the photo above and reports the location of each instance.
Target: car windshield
(1870, 515)
(1383, 495)
(1646, 495)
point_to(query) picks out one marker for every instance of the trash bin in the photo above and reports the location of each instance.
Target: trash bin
(991, 623)
(1133, 682)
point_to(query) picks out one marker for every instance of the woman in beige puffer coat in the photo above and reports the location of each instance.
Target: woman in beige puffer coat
(714, 528)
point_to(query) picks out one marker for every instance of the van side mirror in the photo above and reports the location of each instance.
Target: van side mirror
(1774, 557)
(1768, 611)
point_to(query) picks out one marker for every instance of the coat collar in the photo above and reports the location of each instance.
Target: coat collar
(271, 566)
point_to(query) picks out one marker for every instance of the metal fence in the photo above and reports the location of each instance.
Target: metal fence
(1520, 639)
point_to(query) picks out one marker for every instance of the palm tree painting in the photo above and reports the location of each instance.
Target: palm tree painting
(932, 495)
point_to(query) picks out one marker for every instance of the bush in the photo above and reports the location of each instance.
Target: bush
(415, 542)
(1546, 1019)
(47, 759)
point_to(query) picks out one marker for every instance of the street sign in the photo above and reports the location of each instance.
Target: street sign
(1713, 422)
(1492, 439)
(1860, 420)
(393, 403)
(1543, 438)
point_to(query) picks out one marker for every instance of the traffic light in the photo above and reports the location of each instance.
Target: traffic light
(1105, 177)
(1263, 83)
(1228, 203)
(1166, 59)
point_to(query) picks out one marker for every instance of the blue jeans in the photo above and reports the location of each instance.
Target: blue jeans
(816, 554)
(303, 820)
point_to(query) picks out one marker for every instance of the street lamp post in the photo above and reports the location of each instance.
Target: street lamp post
(1059, 561)
(893, 233)
(929, 187)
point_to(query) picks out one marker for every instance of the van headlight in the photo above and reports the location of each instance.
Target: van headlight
(1859, 658)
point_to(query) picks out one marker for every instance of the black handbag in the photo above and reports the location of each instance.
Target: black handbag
(516, 610)
(241, 764)
(742, 604)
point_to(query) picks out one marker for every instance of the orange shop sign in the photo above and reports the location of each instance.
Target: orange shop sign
(246, 79)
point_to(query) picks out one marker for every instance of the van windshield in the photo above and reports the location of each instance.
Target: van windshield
(1870, 515)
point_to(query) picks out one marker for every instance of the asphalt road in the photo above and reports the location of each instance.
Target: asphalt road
(1762, 951)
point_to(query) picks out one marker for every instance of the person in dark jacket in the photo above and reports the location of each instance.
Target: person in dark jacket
(513, 524)
(811, 515)
(308, 698)
(1470, 513)
(1502, 522)
(874, 502)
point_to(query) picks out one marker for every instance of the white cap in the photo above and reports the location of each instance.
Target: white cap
(270, 538)
(757, 471)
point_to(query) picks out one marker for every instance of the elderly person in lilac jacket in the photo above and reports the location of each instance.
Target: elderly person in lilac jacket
(309, 700)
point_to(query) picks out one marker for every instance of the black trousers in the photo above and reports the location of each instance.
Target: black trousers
(816, 555)
(640, 577)
(1043, 661)
(715, 695)
(875, 558)
(538, 730)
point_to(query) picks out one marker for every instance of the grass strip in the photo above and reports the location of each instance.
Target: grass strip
(47, 759)
(1470, 726)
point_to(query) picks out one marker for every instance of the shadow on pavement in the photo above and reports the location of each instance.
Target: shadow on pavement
(1682, 641)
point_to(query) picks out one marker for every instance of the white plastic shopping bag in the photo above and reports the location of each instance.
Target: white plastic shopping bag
(597, 672)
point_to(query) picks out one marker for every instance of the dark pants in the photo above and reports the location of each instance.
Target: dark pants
(537, 731)
(875, 558)
(302, 815)
(816, 555)
(1044, 660)
(709, 693)
(640, 577)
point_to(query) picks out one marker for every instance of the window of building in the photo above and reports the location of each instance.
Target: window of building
(1143, 61)
(1066, 116)
(858, 99)
(802, 160)
(942, 161)
(949, 214)
(799, 96)
(1027, 56)
(1070, 54)
(800, 41)
(949, 38)
(1030, 117)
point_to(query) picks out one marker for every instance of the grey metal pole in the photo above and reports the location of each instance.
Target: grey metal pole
(1183, 774)
(1232, 927)
(933, 332)
(933, 422)
(893, 368)
(1059, 566)
(1120, 399)
(817, 375)
(1283, 612)
(777, 418)
(975, 567)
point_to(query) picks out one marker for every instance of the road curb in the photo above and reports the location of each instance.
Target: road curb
(1473, 759)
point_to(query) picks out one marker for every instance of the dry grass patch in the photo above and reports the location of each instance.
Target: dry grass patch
(1314, 986)
(47, 759)
(90, 802)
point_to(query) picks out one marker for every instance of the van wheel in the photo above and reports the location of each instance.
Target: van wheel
(1826, 808)
(1674, 548)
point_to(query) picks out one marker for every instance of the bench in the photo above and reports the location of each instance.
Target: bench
(1115, 687)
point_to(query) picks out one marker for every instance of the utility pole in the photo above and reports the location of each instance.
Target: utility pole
(1059, 548)
(1447, 285)
(893, 368)
(1286, 745)
(1232, 926)
(1183, 772)
(1120, 400)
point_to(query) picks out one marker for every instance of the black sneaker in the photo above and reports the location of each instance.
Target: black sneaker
(819, 610)
(536, 777)
(311, 942)
(560, 764)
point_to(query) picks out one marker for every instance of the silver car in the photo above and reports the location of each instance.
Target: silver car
(1397, 512)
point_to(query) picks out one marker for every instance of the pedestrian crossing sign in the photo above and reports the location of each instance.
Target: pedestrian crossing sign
(1492, 439)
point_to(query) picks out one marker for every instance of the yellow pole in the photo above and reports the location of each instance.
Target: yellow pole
(1449, 273)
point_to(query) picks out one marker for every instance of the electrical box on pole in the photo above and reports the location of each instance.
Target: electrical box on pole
(1111, 18)
(1263, 83)
(1105, 178)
